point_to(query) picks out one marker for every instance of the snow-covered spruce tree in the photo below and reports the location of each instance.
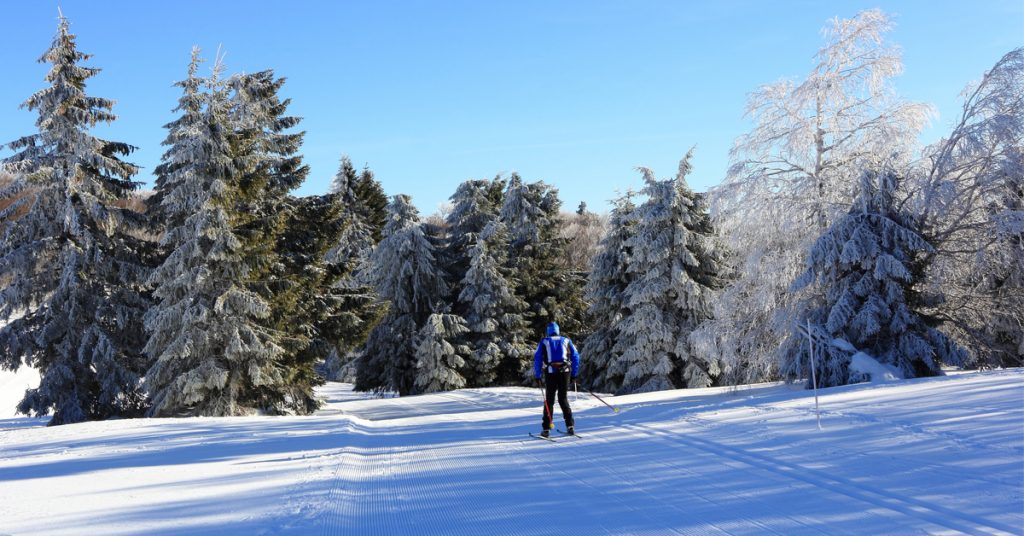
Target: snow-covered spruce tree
(796, 171)
(475, 204)
(333, 317)
(73, 263)
(552, 290)
(606, 289)
(357, 239)
(673, 273)
(348, 256)
(404, 272)
(866, 264)
(179, 131)
(286, 258)
(439, 354)
(265, 156)
(492, 311)
(373, 203)
(971, 211)
(207, 335)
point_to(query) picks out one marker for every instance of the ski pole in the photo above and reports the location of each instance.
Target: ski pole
(615, 409)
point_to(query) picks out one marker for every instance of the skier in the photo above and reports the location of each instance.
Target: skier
(558, 358)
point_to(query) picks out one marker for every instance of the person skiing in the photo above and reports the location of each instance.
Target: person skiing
(558, 360)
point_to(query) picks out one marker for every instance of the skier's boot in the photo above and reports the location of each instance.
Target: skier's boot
(545, 433)
(570, 430)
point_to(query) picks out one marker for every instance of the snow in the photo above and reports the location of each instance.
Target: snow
(868, 367)
(939, 456)
(12, 389)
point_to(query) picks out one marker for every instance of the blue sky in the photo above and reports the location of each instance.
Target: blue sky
(429, 94)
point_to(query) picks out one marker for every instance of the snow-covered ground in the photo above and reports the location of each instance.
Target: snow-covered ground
(932, 456)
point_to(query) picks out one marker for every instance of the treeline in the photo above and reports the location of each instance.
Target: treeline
(222, 294)
(219, 294)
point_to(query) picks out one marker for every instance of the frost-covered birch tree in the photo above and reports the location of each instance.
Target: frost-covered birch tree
(583, 231)
(796, 171)
(404, 271)
(970, 206)
(73, 263)
(866, 264)
(440, 356)
(605, 289)
(207, 335)
(673, 273)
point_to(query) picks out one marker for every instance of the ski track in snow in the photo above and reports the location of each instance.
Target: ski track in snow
(928, 513)
(931, 456)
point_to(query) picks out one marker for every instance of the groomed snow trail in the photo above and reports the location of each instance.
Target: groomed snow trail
(932, 456)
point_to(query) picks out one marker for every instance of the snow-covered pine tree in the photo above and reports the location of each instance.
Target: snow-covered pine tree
(180, 130)
(373, 203)
(404, 271)
(605, 289)
(673, 273)
(73, 263)
(286, 257)
(207, 334)
(440, 356)
(522, 213)
(866, 264)
(475, 204)
(348, 257)
(796, 171)
(357, 239)
(551, 287)
(268, 166)
(331, 316)
(493, 313)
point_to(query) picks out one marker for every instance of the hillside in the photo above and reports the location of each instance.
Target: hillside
(941, 455)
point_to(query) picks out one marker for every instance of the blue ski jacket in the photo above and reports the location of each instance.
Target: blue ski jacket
(556, 349)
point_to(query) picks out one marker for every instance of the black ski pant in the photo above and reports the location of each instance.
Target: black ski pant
(556, 382)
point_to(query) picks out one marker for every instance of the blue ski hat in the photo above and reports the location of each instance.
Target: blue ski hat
(552, 328)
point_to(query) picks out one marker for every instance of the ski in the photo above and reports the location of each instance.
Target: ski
(538, 436)
(567, 434)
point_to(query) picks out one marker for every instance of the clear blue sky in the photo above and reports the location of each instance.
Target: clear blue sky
(433, 93)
